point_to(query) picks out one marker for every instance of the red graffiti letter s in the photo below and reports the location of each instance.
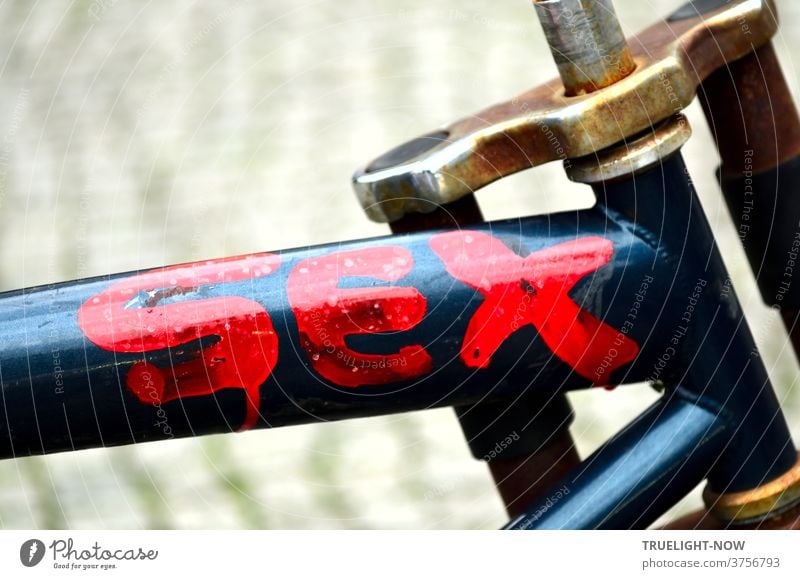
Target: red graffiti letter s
(128, 317)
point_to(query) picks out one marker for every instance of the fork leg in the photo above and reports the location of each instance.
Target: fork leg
(757, 130)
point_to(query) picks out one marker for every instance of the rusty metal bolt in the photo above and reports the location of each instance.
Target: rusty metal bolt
(587, 43)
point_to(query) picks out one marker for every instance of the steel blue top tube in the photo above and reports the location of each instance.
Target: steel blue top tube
(345, 330)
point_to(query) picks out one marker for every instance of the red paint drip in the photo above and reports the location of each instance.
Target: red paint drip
(534, 290)
(247, 346)
(326, 315)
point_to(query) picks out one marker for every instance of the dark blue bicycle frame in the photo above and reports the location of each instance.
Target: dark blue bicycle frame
(665, 284)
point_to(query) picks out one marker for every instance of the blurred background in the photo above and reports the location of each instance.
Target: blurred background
(135, 134)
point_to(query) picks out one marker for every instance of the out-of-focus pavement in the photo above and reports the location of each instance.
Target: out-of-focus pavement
(136, 134)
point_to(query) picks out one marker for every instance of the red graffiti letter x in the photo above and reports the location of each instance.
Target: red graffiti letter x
(533, 290)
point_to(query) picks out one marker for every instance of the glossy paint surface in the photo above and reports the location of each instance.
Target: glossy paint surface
(353, 329)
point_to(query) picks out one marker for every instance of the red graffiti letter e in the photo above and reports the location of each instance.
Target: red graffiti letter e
(327, 314)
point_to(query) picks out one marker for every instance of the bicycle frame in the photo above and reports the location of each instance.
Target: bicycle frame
(409, 322)
(511, 314)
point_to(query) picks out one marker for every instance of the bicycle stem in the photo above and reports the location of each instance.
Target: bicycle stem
(587, 43)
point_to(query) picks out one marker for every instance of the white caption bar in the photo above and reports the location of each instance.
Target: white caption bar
(405, 554)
